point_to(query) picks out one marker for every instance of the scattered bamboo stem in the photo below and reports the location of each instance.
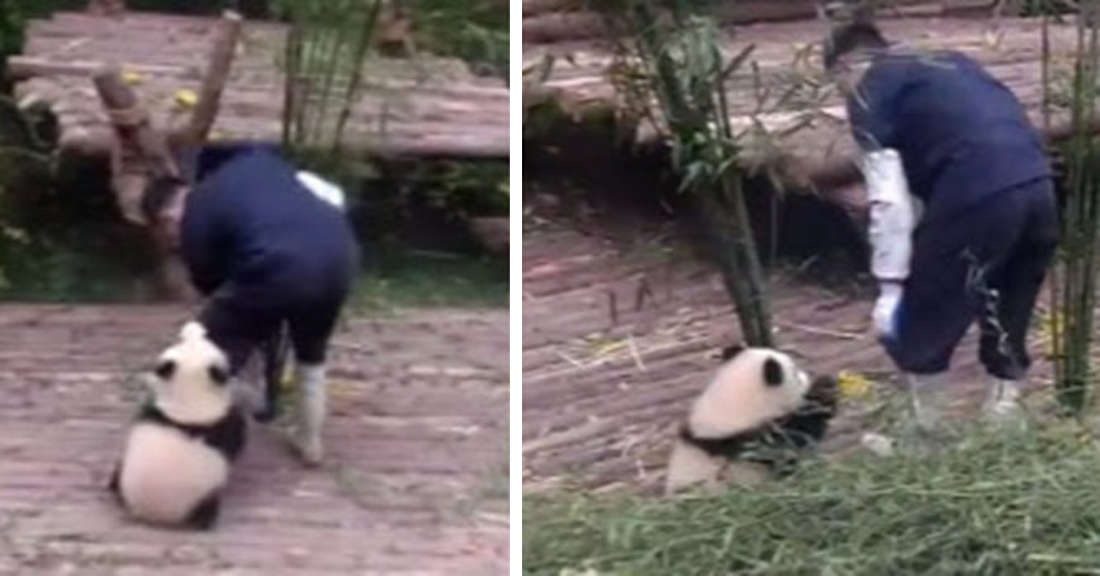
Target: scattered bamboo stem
(821, 331)
(634, 353)
(569, 359)
(641, 293)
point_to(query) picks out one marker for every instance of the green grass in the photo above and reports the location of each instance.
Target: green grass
(474, 30)
(81, 267)
(993, 504)
(424, 280)
(406, 280)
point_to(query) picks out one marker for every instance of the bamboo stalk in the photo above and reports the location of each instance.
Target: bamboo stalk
(1090, 211)
(304, 88)
(360, 57)
(329, 79)
(1079, 229)
(750, 265)
(688, 90)
(290, 79)
(1056, 316)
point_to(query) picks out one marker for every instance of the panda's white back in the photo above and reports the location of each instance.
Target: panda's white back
(165, 473)
(737, 398)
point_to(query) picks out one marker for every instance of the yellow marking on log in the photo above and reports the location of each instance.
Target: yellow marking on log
(131, 78)
(187, 98)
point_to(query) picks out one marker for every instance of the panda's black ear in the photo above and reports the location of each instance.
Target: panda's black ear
(218, 374)
(773, 372)
(165, 369)
(730, 351)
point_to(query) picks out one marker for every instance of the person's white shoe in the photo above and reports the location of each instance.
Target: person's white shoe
(311, 413)
(1002, 402)
(929, 396)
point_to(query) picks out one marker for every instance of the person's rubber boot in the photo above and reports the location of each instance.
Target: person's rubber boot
(311, 413)
(1002, 403)
(930, 399)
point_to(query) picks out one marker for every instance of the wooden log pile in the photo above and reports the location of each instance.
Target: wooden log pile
(823, 150)
(420, 107)
(549, 21)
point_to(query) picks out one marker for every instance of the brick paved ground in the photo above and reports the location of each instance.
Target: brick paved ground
(415, 483)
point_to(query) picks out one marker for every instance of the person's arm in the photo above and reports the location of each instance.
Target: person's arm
(892, 216)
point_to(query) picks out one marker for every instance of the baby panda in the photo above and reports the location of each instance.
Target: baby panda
(745, 426)
(178, 453)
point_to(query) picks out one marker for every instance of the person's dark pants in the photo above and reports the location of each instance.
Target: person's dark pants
(987, 263)
(240, 318)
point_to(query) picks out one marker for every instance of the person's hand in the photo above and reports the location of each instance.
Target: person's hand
(886, 306)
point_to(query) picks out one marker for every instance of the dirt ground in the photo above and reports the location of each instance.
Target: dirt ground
(622, 326)
(415, 482)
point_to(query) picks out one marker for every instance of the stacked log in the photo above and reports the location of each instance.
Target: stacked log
(550, 21)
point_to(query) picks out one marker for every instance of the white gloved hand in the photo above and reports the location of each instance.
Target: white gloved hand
(886, 308)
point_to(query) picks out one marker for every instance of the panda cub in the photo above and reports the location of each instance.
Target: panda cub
(757, 406)
(178, 453)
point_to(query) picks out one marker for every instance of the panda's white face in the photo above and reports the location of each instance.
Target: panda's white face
(191, 381)
(757, 386)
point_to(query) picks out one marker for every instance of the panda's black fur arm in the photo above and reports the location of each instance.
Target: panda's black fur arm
(729, 447)
(226, 435)
(810, 423)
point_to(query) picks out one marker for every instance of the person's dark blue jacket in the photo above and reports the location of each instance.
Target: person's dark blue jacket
(962, 135)
(250, 221)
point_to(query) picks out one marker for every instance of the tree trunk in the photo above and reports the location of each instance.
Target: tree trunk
(729, 240)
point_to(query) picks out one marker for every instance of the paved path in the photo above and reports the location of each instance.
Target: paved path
(415, 483)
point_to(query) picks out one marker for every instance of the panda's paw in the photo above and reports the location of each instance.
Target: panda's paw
(205, 515)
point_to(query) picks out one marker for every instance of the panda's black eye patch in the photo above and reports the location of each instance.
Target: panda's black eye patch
(165, 369)
(219, 374)
(773, 372)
